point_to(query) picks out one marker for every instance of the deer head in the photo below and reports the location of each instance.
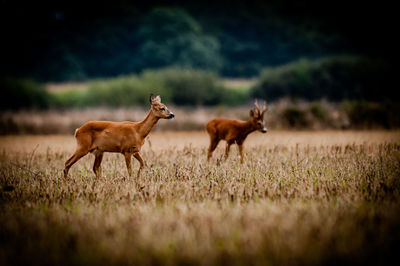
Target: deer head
(257, 116)
(159, 109)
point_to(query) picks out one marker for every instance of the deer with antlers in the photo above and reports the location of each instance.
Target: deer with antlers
(126, 137)
(235, 131)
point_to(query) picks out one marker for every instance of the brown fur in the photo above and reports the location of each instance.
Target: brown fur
(234, 131)
(126, 137)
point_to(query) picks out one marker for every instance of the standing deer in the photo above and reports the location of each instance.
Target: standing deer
(126, 137)
(235, 131)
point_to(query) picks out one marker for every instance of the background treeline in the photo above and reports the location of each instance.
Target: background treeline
(333, 78)
(79, 40)
(332, 92)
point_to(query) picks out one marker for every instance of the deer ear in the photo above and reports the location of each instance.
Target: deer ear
(151, 98)
(154, 98)
(251, 113)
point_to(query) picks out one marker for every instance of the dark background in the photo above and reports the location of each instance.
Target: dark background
(77, 40)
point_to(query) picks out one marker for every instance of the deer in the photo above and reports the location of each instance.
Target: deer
(235, 131)
(125, 137)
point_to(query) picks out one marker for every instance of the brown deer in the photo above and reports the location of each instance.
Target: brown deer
(235, 131)
(126, 137)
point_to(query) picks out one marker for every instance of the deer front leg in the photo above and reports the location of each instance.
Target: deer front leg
(97, 163)
(142, 164)
(128, 157)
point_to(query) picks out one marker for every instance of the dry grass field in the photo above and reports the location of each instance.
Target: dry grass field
(309, 197)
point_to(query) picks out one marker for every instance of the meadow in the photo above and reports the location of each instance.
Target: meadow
(301, 197)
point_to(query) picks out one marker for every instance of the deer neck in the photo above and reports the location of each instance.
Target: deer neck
(147, 124)
(248, 127)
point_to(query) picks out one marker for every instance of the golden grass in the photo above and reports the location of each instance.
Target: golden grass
(300, 198)
(178, 140)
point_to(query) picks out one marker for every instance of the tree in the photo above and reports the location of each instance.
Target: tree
(171, 37)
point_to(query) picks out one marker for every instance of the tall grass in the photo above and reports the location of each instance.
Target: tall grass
(324, 198)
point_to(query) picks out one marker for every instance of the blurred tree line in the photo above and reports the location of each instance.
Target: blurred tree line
(182, 48)
(178, 86)
(353, 86)
(334, 78)
(78, 40)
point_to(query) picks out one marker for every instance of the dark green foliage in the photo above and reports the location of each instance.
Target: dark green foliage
(170, 36)
(22, 93)
(190, 87)
(178, 86)
(334, 78)
(59, 43)
(318, 111)
(369, 115)
(235, 96)
(69, 98)
(295, 117)
(122, 91)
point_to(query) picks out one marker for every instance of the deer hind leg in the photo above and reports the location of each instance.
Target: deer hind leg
(142, 164)
(79, 153)
(128, 159)
(213, 145)
(83, 147)
(228, 146)
(97, 163)
(241, 152)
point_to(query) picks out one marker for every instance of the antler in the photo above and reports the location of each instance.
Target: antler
(256, 104)
(265, 108)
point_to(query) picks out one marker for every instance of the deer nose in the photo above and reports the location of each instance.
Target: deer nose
(171, 116)
(264, 130)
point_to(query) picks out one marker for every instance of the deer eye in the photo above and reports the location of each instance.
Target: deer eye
(162, 109)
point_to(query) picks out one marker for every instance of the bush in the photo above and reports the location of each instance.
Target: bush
(69, 98)
(23, 93)
(318, 111)
(369, 115)
(235, 96)
(178, 86)
(295, 117)
(189, 87)
(122, 91)
(335, 78)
